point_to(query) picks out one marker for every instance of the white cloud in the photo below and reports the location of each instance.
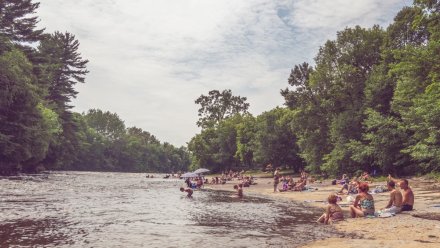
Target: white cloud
(149, 60)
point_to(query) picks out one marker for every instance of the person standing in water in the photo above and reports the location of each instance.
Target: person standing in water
(188, 190)
(276, 180)
(239, 189)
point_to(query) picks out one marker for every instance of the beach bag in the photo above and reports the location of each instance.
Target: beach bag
(334, 182)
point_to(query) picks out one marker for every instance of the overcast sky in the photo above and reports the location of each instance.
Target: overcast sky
(150, 59)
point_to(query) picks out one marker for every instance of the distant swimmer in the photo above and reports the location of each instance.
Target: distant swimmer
(188, 190)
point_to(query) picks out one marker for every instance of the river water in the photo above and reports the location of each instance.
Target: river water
(85, 209)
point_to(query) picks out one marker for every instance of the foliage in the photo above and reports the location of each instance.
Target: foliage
(217, 106)
(371, 100)
(15, 22)
(38, 74)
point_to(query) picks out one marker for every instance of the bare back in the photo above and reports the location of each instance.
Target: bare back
(408, 196)
(396, 198)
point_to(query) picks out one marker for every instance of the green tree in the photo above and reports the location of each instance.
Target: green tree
(67, 68)
(109, 124)
(275, 143)
(22, 123)
(17, 21)
(217, 106)
(246, 131)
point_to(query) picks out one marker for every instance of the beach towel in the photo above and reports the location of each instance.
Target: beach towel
(384, 215)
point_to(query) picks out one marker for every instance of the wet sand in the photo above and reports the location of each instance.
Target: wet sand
(417, 228)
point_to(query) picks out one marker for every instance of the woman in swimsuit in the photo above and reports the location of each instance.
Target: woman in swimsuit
(363, 204)
(333, 211)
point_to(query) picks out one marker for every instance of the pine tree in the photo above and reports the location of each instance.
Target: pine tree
(66, 67)
(17, 22)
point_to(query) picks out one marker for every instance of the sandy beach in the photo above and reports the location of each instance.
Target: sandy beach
(418, 228)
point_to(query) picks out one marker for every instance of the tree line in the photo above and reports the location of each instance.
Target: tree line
(39, 130)
(371, 101)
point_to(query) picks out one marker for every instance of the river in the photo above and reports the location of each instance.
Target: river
(86, 209)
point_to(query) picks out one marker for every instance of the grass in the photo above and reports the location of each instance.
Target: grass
(433, 176)
(380, 179)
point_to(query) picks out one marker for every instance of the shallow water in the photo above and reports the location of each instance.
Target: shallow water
(83, 209)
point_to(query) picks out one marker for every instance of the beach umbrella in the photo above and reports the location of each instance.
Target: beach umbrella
(189, 174)
(201, 170)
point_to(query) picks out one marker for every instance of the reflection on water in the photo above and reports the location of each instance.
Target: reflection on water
(75, 209)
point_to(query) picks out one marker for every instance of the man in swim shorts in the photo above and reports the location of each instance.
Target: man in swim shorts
(408, 196)
(394, 205)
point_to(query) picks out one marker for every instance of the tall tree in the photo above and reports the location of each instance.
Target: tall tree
(275, 142)
(108, 124)
(17, 21)
(217, 106)
(67, 68)
(23, 135)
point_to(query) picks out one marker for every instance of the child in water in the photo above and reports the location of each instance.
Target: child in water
(239, 189)
(188, 190)
(333, 211)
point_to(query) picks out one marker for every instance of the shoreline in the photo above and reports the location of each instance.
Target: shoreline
(406, 230)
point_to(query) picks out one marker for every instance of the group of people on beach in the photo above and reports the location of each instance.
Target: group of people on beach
(287, 183)
(243, 181)
(363, 206)
(196, 182)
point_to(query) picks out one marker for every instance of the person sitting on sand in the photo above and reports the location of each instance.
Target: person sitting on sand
(407, 194)
(363, 204)
(290, 183)
(300, 185)
(345, 182)
(365, 177)
(285, 185)
(304, 175)
(188, 190)
(353, 186)
(333, 211)
(394, 205)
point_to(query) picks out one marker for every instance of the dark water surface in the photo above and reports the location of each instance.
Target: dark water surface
(76, 209)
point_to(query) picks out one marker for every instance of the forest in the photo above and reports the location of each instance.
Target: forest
(38, 129)
(369, 101)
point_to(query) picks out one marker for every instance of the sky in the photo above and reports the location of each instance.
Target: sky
(149, 60)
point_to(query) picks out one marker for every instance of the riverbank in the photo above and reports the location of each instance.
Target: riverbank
(418, 228)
